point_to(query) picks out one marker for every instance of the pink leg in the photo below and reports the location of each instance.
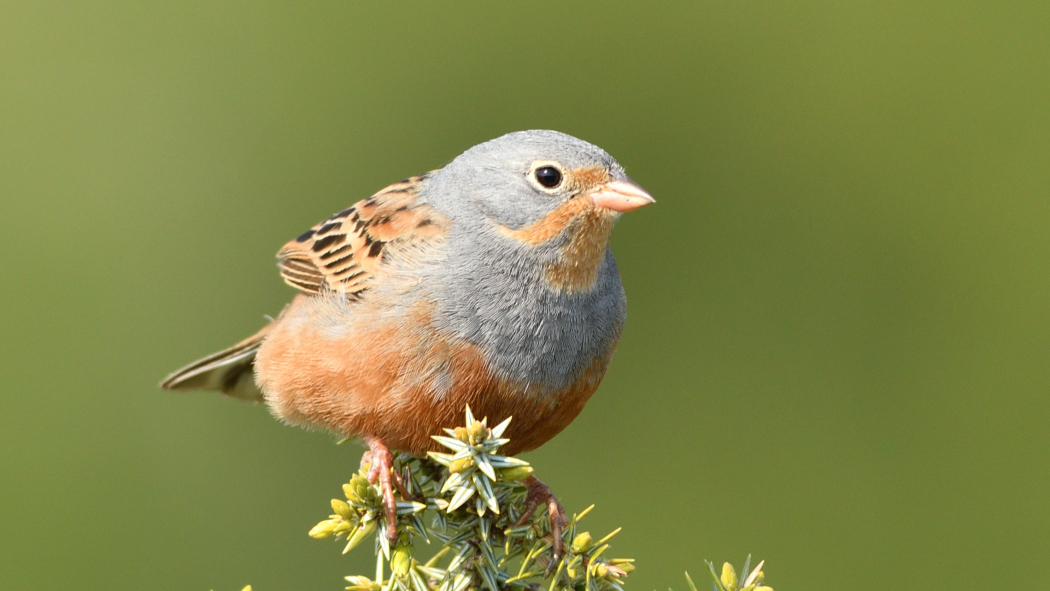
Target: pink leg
(539, 493)
(381, 469)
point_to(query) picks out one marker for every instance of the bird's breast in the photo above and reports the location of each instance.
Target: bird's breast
(391, 372)
(541, 319)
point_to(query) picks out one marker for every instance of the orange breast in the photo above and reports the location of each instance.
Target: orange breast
(399, 380)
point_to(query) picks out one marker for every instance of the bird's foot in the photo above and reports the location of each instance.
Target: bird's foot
(381, 469)
(540, 494)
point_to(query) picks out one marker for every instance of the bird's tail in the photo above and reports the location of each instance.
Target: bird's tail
(230, 371)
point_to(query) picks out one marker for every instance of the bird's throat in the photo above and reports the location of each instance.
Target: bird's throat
(582, 253)
(583, 229)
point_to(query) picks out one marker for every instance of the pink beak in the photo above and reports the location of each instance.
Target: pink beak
(620, 196)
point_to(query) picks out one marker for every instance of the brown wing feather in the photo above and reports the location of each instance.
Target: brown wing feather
(345, 251)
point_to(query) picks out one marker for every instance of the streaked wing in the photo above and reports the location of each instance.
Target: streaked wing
(344, 252)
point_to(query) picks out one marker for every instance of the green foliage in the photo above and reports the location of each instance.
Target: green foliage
(470, 501)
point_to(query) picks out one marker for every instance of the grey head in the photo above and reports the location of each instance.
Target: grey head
(518, 178)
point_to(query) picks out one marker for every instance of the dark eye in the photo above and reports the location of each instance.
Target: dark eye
(548, 176)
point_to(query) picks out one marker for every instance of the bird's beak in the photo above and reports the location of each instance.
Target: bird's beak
(620, 196)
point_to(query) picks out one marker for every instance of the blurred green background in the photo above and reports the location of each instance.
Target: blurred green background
(837, 353)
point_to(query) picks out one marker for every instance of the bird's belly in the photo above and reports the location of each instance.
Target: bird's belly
(401, 380)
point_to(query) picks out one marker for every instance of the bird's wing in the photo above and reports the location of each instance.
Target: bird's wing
(344, 252)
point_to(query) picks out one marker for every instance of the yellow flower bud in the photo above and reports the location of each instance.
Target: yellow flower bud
(461, 433)
(516, 473)
(477, 430)
(342, 509)
(351, 494)
(400, 561)
(323, 530)
(364, 491)
(582, 543)
(626, 567)
(729, 580)
(461, 465)
(601, 570)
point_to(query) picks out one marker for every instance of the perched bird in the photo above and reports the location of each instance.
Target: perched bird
(487, 283)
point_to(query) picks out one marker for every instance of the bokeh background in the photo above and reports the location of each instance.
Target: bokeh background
(837, 351)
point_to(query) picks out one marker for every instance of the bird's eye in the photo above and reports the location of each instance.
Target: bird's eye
(548, 176)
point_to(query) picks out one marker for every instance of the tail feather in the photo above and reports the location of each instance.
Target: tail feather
(229, 371)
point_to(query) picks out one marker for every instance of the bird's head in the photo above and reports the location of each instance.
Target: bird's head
(529, 179)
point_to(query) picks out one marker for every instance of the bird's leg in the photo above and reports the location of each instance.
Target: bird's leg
(381, 469)
(539, 493)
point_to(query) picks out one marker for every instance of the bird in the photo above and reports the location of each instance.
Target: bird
(487, 283)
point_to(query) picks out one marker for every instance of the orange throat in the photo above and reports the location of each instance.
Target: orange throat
(583, 253)
(588, 227)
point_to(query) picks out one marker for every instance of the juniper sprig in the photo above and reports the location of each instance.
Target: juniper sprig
(468, 500)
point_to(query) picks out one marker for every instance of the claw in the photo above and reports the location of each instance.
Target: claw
(381, 469)
(539, 493)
